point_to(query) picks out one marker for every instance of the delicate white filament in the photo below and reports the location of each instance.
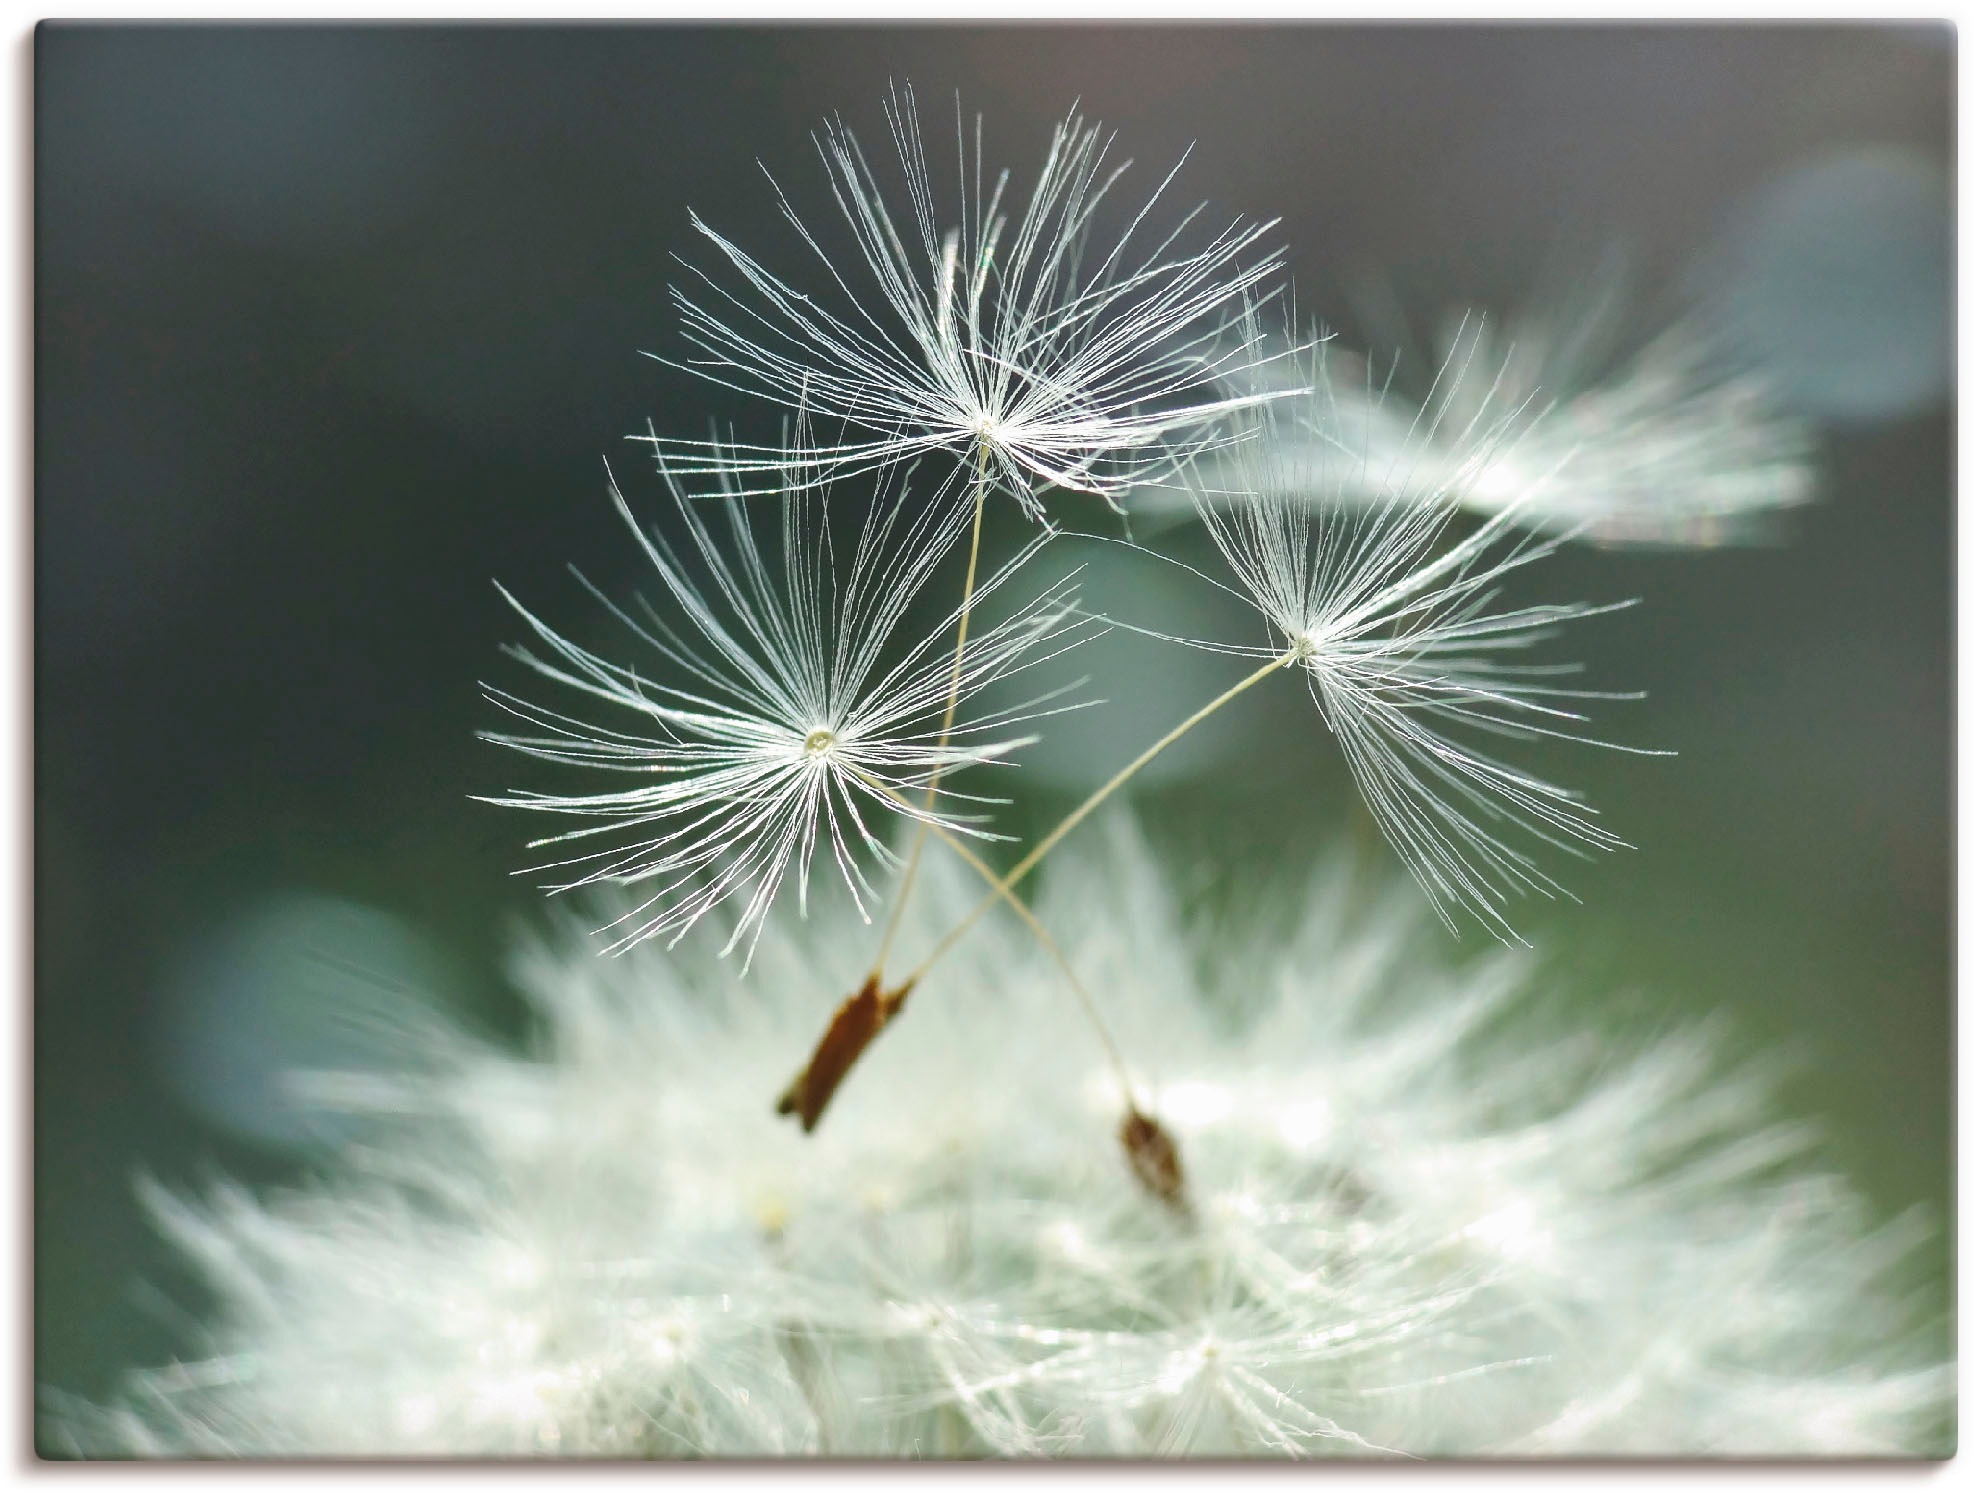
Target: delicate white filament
(775, 704)
(1397, 627)
(1677, 444)
(1078, 368)
(1427, 1221)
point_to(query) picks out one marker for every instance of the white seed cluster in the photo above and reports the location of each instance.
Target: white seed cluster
(1421, 1220)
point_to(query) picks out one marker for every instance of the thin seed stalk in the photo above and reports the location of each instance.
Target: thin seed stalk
(1099, 796)
(1150, 1150)
(862, 1016)
(1038, 930)
(948, 720)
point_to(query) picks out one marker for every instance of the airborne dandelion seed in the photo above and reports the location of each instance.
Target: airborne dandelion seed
(1069, 367)
(805, 715)
(1675, 442)
(1403, 645)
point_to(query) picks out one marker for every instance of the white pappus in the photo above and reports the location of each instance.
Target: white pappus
(1431, 1214)
(1009, 341)
(785, 706)
(1397, 626)
(1674, 443)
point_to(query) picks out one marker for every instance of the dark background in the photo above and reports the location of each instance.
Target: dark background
(334, 325)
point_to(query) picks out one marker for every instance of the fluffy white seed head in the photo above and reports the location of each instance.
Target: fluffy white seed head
(773, 697)
(958, 325)
(1426, 1219)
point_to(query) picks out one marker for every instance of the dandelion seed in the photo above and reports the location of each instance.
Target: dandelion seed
(1678, 444)
(1674, 450)
(785, 709)
(1085, 370)
(1403, 644)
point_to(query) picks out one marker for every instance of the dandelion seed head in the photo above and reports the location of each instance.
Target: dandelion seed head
(1426, 1222)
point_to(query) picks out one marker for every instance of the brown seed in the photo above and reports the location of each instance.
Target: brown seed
(859, 1019)
(1153, 1155)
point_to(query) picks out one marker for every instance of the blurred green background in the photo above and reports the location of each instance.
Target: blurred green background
(334, 325)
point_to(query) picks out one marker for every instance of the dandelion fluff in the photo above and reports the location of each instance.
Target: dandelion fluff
(1424, 1220)
(976, 330)
(1680, 444)
(1678, 447)
(1396, 624)
(787, 705)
